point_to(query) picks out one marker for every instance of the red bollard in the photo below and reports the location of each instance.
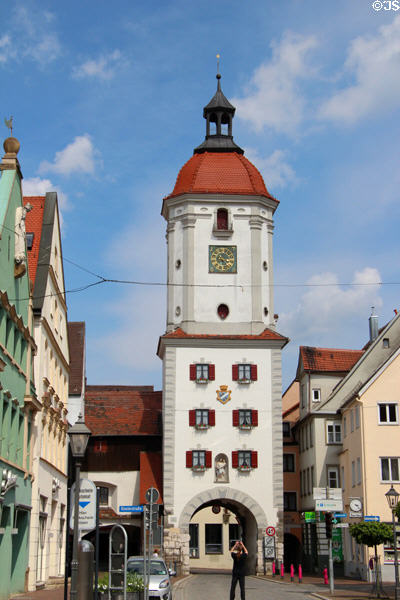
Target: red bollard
(282, 570)
(273, 568)
(291, 573)
(300, 574)
(326, 578)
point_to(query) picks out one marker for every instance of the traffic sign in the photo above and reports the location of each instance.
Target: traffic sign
(131, 508)
(152, 495)
(270, 531)
(87, 505)
(329, 505)
(372, 518)
(309, 516)
(340, 515)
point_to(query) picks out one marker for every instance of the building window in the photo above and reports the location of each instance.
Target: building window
(351, 421)
(390, 469)
(223, 311)
(286, 429)
(198, 460)
(308, 481)
(387, 413)
(344, 427)
(213, 538)
(312, 479)
(301, 483)
(194, 540)
(316, 395)
(385, 343)
(303, 395)
(222, 219)
(244, 460)
(289, 501)
(342, 477)
(333, 477)
(201, 372)
(244, 373)
(311, 436)
(103, 495)
(234, 534)
(357, 413)
(201, 418)
(334, 433)
(288, 463)
(100, 446)
(358, 470)
(353, 473)
(245, 418)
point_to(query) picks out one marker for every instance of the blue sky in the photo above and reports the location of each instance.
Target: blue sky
(107, 102)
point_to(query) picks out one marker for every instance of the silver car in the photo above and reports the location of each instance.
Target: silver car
(160, 585)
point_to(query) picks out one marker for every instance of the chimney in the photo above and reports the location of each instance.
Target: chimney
(373, 326)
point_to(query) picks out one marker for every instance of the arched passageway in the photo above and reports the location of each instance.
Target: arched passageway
(292, 551)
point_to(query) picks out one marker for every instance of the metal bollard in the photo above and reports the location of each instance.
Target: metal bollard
(325, 576)
(282, 570)
(291, 573)
(85, 570)
(273, 568)
(300, 574)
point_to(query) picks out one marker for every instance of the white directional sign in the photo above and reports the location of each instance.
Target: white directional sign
(87, 505)
(329, 505)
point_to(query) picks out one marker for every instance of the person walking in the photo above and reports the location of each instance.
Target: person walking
(239, 554)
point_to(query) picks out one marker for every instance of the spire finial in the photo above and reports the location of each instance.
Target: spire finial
(218, 73)
(9, 124)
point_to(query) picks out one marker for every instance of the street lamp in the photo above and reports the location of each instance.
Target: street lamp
(393, 498)
(78, 438)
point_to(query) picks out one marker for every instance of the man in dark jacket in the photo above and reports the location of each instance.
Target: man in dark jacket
(239, 554)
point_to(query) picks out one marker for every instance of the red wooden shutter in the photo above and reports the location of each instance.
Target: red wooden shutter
(235, 372)
(211, 372)
(254, 418)
(211, 418)
(208, 459)
(254, 459)
(189, 459)
(253, 371)
(192, 372)
(235, 418)
(192, 418)
(235, 459)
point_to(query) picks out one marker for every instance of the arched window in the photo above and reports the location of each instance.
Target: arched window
(222, 219)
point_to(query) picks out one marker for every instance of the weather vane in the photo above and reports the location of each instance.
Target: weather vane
(9, 124)
(218, 57)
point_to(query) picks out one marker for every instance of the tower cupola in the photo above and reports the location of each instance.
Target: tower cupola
(219, 114)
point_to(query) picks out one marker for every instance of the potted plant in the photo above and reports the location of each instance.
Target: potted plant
(102, 586)
(134, 587)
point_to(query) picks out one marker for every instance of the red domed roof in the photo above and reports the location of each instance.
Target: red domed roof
(220, 173)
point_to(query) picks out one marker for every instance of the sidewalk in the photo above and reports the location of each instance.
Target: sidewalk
(344, 588)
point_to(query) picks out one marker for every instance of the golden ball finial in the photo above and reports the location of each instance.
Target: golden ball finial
(11, 145)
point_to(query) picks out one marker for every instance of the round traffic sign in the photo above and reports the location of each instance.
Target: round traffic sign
(270, 530)
(152, 495)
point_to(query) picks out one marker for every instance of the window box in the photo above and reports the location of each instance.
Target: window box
(244, 468)
(244, 460)
(199, 426)
(245, 418)
(245, 426)
(244, 373)
(199, 468)
(201, 372)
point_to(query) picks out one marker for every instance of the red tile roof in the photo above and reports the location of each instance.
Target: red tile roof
(123, 410)
(328, 359)
(33, 224)
(150, 474)
(220, 173)
(267, 334)
(76, 341)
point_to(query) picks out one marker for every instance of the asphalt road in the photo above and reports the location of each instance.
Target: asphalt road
(216, 587)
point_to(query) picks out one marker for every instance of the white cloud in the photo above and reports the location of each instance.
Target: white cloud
(274, 98)
(6, 50)
(374, 63)
(32, 36)
(77, 157)
(328, 307)
(102, 68)
(35, 186)
(276, 171)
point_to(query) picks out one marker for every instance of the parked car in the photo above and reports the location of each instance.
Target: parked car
(159, 585)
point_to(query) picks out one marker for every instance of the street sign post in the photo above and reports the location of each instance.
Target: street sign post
(131, 508)
(269, 546)
(87, 505)
(372, 518)
(329, 505)
(340, 515)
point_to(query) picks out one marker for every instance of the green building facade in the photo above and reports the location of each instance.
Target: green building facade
(18, 403)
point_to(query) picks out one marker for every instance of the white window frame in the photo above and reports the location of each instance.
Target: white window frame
(244, 372)
(390, 459)
(334, 469)
(335, 434)
(202, 372)
(386, 405)
(316, 394)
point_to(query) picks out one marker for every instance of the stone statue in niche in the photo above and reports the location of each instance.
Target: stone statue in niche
(20, 234)
(221, 469)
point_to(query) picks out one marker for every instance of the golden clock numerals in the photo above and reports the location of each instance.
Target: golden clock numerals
(222, 258)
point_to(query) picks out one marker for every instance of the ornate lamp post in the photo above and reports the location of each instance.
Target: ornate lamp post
(78, 438)
(393, 498)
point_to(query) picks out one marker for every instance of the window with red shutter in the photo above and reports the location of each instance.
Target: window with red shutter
(192, 372)
(208, 459)
(254, 459)
(235, 418)
(189, 459)
(254, 418)
(211, 372)
(211, 418)
(235, 372)
(192, 418)
(253, 370)
(235, 459)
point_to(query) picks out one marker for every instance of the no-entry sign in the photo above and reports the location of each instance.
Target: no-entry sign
(270, 531)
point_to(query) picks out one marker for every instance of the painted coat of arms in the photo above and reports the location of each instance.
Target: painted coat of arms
(223, 394)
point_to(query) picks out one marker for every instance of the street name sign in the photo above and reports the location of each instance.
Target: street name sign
(328, 505)
(342, 525)
(131, 508)
(340, 515)
(355, 515)
(87, 505)
(372, 518)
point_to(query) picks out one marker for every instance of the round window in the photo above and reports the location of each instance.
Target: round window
(223, 311)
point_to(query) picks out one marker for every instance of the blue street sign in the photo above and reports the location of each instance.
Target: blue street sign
(340, 515)
(371, 518)
(134, 508)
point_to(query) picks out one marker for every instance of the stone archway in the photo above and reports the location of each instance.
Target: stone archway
(238, 501)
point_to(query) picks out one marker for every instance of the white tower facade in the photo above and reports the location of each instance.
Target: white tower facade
(221, 353)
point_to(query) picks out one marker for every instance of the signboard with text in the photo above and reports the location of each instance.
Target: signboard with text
(87, 505)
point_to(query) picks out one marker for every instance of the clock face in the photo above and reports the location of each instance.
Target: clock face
(355, 505)
(222, 259)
